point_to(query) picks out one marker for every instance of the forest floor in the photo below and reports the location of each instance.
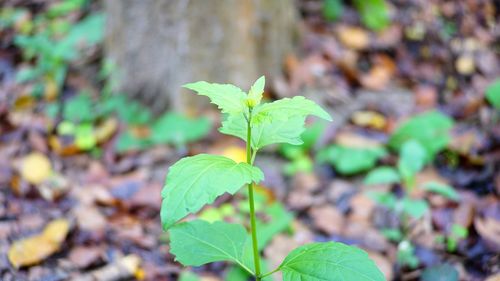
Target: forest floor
(82, 169)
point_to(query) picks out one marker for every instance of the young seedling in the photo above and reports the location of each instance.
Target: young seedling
(413, 156)
(195, 181)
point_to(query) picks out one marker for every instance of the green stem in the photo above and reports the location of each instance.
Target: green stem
(253, 228)
(269, 273)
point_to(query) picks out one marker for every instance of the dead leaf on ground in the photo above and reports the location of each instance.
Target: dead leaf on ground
(380, 74)
(489, 229)
(327, 219)
(89, 218)
(32, 250)
(383, 264)
(84, 256)
(465, 64)
(362, 208)
(351, 139)
(35, 168)
(279, 248)
(124, 268)
(368, 236)
(369, 119)
(54, 187)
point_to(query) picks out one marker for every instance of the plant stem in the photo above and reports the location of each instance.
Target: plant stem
(256, 256)
(271, 272)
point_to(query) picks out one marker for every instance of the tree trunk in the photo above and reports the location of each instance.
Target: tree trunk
(158, 45)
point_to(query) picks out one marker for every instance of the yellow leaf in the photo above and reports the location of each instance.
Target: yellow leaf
(369, 119)
(56, 231)
(36, 168)
(353, 37)
(36, 248)
(51, 90)
(236, 153)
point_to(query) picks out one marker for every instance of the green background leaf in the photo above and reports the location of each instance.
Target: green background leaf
(329, 261)
(382, 175)
(349, 160)
(443, 189)
(431, 129)
(195, 181)
(442, 272)
(493, 94)
(178, 129)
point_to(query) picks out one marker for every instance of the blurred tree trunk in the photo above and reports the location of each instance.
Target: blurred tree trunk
(158, 45)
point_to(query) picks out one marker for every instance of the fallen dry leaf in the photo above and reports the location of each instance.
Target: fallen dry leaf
(89, 218)
(383, 264)
(380, 74)
(34, 249)
(353, 37)
(489, 229)
(328, 219)
(124, 268)
(370, 119)
(84, 256)
(36, 168)
(465, 65)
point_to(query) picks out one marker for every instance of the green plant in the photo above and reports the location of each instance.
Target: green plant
(351, 160)
(456, 234)
(300, 160)
(195, 181)
(374, 13)
(431, 129)
(440, 272)
(413, 156)
(493, 94)
(51, 41)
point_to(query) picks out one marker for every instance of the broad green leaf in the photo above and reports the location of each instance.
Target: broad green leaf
(416, 208)
(127, 141)
(332, 9)
(281, 121)
(84, 136)
(285, 109)
(79, 108)
(329, 261)
(374, 13)
(442, 189)
(349, 160)
(266, 133)
(256, 91)
(195, 181)
(392, 234)
(174, 128)
(458, 231)
(441, 272)
(199, 242)
(229, 98)
(431, 129)
(493, 94)
(382, 175)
